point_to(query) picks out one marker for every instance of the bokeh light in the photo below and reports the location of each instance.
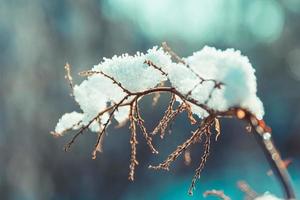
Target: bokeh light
(192, 21)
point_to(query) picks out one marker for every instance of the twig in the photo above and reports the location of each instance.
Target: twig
(96, 148)
(263, 137)
(150, 63)
(69, 78)
(181, 148)
(133, 143)
(203, 161)
(140, 123)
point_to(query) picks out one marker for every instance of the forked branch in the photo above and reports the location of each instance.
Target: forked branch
(261, 131)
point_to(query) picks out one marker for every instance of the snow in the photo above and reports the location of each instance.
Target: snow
(229, 67)
(267, 196)
(121, 114)
(68, 121)
(132, 72)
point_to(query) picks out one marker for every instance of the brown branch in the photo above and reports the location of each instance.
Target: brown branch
(82, 129)
(217, 128)
(181, 148)
(169, 116)
(173, 55)
(69, 78)
(133, 143)
(166, 115)
(262, 132)
(96, 148)
(203, 161)
(99, 146)
(151, 64)
(264, 138)
(190, 113)
(177, 93)
(140, 123)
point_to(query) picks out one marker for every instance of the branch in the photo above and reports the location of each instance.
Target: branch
(181, 148)
(140, 123)
(263, 137)
(203, 161)
(82, 129)
(115, 107)
(151, 64)
(133, 143)
(69, 78)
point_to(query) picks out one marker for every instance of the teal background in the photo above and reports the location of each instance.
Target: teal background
(37, 37)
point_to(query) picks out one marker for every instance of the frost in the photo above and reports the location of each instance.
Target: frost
(267, 196)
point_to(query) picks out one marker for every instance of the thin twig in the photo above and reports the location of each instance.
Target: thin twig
(181, 148)
(96, 148)
(69, 78)
(82, 129)
(150, 63)
(133, 143)
(203, 161)
(140, 123)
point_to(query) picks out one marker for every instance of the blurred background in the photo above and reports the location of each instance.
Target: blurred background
(37, 37)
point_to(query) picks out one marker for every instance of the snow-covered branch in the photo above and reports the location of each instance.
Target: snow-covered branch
(210, 84)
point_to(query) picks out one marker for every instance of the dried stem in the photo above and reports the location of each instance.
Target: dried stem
(140, 123)
(68, 77)
(203, 161)
(133, 143)
(167, 118)
(150, 63)
(263, 136)
(274, 159)
(96, 148)
(82, 129)
(181, 148)
(168, 49)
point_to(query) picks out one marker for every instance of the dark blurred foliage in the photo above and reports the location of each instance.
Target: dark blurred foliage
(37, 37)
